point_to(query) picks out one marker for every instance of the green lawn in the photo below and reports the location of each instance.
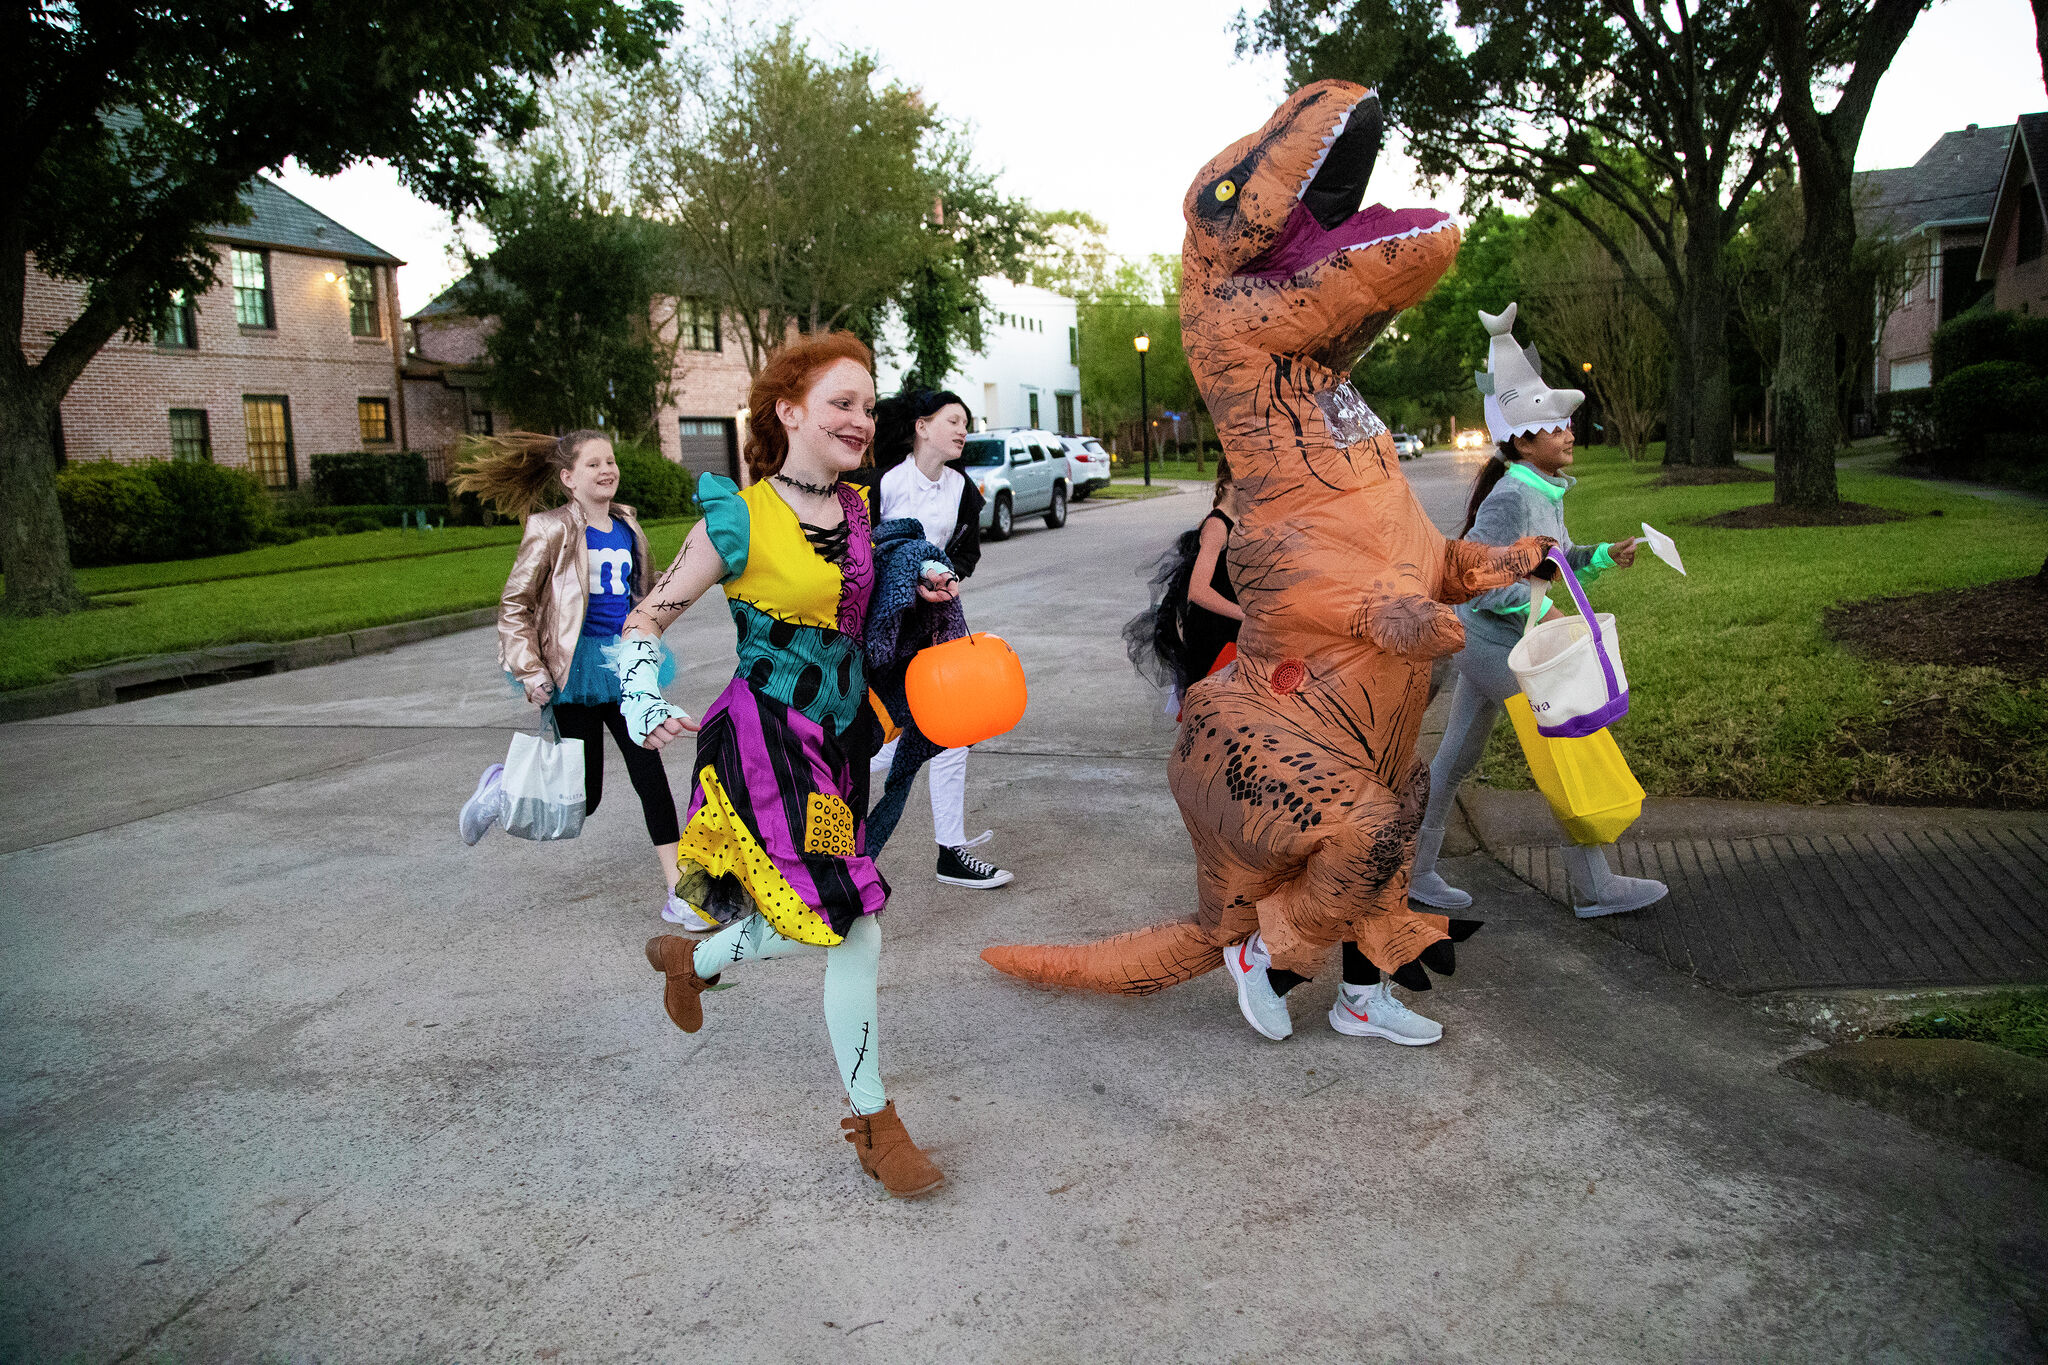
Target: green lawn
(2017, 1020)
(271, 599)
(1736, 689)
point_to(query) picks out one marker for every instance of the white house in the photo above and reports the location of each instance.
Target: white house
(1028, 372)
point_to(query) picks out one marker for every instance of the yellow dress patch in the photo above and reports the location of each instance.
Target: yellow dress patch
(828, 826)
(719, 841)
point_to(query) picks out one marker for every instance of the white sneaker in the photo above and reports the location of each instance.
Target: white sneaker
(1373, 1012)
(480, 812)
(688, 917)
(1262, 1006)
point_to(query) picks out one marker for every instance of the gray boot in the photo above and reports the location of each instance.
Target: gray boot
(1605, 891)
(1423, 882)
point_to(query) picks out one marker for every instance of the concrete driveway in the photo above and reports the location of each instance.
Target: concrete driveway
(292, 1074)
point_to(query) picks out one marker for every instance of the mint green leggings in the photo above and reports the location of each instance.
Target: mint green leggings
(852, 971)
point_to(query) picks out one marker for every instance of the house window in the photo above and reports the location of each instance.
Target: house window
(190, 439)
(364, 319)
(1032, 400)
(178, 329)
(479, 423)
(1073, 345)
(1065, 403)
(268, 420)
(699, 325)
(373, 416)
(2030, 225)
(251, 271)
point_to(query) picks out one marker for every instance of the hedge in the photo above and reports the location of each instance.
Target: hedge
(363, 477)
(652, 485)
(138, 513)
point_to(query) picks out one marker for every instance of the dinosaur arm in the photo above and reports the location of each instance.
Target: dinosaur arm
(1471, 568)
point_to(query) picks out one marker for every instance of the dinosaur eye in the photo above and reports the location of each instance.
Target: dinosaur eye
(1225, 190)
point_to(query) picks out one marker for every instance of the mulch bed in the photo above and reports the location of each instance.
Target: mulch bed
(1695, 476)
(1769, 516)
(1995, 626)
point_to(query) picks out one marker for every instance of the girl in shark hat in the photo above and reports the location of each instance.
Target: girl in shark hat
(1519, 493)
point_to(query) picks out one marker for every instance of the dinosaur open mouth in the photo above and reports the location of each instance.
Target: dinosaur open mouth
(1305, 242)
(1326, 217)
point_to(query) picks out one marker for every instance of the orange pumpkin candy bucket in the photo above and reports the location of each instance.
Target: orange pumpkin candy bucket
(966, 690)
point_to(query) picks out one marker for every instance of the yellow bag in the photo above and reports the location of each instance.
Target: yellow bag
(1586, 781)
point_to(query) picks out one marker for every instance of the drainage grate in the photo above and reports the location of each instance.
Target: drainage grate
(1964, 907)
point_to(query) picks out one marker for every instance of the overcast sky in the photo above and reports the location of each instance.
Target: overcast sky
(1111, 105)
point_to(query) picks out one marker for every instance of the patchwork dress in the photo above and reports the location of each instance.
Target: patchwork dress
(777, 812)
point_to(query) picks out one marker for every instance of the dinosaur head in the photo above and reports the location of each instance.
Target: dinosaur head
(1278, 242)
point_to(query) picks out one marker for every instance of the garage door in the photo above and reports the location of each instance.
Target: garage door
(707, 445)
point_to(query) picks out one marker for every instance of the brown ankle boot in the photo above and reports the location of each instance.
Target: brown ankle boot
(683, 999)
(887, 1153)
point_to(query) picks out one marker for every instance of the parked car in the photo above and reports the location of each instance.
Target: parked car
(1019, 472)
(1471, 438)
(1407, 447)
(1089, 464)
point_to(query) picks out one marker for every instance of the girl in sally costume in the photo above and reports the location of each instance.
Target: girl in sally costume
(774, 837)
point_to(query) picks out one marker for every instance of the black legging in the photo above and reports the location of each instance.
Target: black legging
(643, 766)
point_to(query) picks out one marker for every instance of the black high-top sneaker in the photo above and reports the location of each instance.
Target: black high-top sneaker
(958, 867)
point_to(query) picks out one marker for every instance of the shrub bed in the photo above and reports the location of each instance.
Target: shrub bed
(134, 513)
(652, 485)
(362, 477)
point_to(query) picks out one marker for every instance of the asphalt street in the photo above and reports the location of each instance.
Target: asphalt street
(292, 1074)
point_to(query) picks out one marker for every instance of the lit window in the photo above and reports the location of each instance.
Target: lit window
(373, 416)
(190, 439)
(479, 422)
(697, 321)
(268, 420)
(364, 319)
(251, 271)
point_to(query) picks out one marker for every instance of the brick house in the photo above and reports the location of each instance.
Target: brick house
(1943, 203)
(295, 352)
(447, 382)
(2014, 263)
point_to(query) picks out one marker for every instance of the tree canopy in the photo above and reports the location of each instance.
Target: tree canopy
(131, 130)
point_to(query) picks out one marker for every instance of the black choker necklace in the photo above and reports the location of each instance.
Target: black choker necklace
(816, 489)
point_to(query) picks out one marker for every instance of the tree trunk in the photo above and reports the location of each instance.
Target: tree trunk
(1806, 427)
(1709, 437)
(1678, 410)
(33, 550)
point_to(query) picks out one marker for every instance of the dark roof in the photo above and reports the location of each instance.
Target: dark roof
(1955, 182)
(449, 302)
(2024, 166)
(280, 218)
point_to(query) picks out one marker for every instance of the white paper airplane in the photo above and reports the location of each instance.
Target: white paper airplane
(1664, 547)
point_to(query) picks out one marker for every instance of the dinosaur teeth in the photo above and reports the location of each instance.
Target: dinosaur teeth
(1399, 236)
(1329, 141)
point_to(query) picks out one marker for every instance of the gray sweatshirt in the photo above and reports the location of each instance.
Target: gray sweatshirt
(1517, 508)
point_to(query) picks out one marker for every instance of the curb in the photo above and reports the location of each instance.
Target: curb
(138, 678)
(1973, 1093)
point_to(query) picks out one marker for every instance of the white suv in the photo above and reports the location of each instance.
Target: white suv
(1019, 472)
(1089, 463)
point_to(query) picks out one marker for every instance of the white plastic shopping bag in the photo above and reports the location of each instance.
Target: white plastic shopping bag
(543, 785)
(1570, 667)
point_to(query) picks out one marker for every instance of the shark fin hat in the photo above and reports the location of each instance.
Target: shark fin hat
(1517, 400)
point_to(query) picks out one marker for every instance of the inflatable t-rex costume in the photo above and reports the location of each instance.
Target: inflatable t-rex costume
(1295, 771)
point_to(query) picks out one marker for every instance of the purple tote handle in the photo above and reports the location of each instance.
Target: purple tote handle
(1617, 700)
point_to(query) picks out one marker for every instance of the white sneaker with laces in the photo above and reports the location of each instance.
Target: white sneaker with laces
(480, 812)
(688, 917)
(1373, 1012)
(1263, 1007)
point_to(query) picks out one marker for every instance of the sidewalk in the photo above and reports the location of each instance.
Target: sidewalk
(1768, 897)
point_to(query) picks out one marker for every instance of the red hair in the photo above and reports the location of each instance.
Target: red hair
(786, 378)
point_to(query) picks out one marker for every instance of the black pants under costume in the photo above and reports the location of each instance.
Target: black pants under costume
(643, 766)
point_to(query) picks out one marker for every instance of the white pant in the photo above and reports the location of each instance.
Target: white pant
(948, 777)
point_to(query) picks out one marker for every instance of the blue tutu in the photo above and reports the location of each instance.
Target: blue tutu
(591, 681)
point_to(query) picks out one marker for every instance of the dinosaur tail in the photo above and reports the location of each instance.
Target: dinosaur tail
(1136, 963)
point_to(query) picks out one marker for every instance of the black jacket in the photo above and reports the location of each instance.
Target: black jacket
(963, 547)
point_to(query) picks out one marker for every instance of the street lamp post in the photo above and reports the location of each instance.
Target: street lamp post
(1141, 344)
